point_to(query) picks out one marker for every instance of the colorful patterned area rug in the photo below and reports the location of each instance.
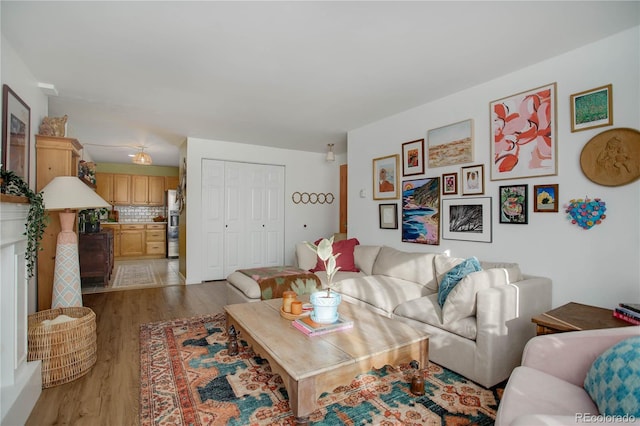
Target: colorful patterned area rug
(187, 378)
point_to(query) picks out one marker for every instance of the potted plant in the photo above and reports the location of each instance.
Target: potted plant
(90, 220)
(325, 303)
(37, 219)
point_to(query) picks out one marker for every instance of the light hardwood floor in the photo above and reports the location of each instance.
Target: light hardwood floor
(109, 393)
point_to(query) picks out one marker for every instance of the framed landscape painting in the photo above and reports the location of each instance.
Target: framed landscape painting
(467, 219)
(545, 198)
(523, 134)
(452, 144)
(592, 108)
(413, 158)
(421, 211)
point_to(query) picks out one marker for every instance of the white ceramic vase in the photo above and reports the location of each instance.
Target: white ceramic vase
(325, 308)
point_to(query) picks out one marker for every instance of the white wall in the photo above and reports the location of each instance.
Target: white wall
(304, 172)
(599, 266)
(20, 79)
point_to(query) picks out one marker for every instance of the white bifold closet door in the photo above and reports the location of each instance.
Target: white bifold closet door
(243, 217)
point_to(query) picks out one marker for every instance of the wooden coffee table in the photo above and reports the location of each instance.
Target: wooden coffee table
(310, 366)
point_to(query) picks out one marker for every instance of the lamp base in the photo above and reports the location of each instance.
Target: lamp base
(67, 290)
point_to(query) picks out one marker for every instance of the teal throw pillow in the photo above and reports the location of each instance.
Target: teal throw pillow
(613, 381)
(454, 276)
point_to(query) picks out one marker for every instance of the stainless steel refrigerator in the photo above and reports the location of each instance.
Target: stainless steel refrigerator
(172, 224)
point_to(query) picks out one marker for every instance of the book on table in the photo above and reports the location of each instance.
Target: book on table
(312, 328)
(635, 307)
(624, 312)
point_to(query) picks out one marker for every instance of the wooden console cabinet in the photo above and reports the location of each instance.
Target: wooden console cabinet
(96, 255)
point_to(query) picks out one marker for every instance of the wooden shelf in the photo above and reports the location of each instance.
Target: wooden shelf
(7, 198)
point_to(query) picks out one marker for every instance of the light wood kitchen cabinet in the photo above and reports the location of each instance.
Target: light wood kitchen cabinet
(171, 182)
(138, 240)
(147, 190)
(156, 239)
(132, 240)
(55, 156)
(114, 188)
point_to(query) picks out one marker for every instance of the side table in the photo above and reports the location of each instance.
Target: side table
(574, 317)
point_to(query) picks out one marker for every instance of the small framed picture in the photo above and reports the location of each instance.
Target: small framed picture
(545, 198)
(592, 108)
(385, 177)
(388, 216)
(513, 204)
(450, 184)
(472, 180)
(413, 158)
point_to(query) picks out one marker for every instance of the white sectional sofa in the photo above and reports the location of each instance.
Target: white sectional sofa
(479, 332)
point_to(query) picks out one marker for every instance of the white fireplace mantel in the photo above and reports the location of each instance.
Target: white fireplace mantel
(20, 381)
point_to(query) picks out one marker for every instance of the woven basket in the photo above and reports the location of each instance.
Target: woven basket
(67, 350)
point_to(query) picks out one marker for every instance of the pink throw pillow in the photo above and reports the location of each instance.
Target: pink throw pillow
(345, 261)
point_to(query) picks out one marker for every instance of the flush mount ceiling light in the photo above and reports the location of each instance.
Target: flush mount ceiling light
(330, 155)
(142, 158)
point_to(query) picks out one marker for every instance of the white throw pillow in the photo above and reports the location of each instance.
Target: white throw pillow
(365, 256)
(461, 301)
(410, 266)
(305, 256)
(443, 264)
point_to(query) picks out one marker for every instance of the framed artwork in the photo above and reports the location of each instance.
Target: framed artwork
(385, 177)
(467, 219)
(472, 180)
(592, 108)
(513, 204)
(450, 184)
(413, 158)
(421, 211)
(452, 144)
(388, 216)
(523, 134)
(16, 133)
(612, 157)
(545, 198)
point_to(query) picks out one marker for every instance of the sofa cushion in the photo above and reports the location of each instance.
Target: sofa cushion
(613, 381)
(305, 256)
(380, 291)
(454, 276)
(443, 264)
(416, 267)
(427, 310)
(513, 269)
(461, 301)
(339, 276)
(345, 260)
(365, 257)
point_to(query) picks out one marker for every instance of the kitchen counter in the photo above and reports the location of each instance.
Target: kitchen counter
(133, 223)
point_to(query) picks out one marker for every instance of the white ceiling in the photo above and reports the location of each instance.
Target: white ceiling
(294, 75)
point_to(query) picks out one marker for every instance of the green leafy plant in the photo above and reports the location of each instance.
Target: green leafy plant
(37, 219)
(324, 250)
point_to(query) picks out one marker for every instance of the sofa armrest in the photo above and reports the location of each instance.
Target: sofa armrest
(503, 316)
(569, 355)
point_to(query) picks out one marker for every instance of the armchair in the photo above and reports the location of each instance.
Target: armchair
(547, 389)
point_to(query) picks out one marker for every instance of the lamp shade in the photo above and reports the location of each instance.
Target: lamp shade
(69, 192)
(142, 158)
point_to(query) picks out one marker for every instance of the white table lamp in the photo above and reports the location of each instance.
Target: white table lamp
(67, 193)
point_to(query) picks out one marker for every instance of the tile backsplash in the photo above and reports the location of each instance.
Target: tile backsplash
(138, 213)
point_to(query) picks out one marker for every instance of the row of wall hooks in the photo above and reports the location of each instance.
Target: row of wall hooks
(312, 198)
